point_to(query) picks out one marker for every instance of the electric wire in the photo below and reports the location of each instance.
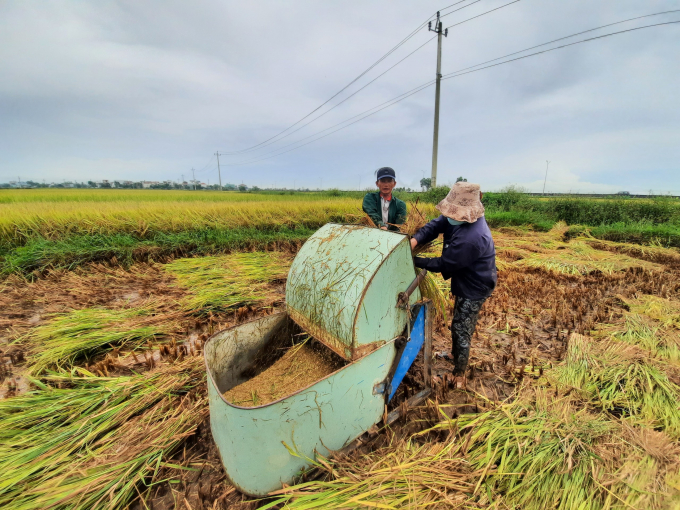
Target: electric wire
(482, 14)
(396, 47)
(389, 102)
(376, 78)
(350, 96)
(566, 37)
(454, 74)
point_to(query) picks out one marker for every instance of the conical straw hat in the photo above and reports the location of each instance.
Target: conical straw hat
(463, 203)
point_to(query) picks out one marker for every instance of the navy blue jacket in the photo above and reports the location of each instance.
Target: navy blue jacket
(468, 256)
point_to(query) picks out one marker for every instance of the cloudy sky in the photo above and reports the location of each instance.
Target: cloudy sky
(148, 90)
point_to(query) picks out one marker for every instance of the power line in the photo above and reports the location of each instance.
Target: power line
(391, 103)
(422, 87)
(376, 78)
(348, 97)
(455, 74)
(563, 38)
(398, 45)
(482, 14)
(416, 89)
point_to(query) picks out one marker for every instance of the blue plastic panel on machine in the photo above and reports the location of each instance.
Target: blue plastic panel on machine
(415, 343)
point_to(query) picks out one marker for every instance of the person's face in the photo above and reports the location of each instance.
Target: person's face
(386, 185)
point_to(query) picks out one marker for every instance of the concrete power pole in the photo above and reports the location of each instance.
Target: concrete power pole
(547, 164)
(435, 142)
(194, 179)
(219, 173)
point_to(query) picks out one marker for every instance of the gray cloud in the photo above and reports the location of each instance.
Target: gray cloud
(130, 90)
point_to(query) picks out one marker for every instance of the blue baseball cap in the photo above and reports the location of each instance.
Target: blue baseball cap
(385, 171)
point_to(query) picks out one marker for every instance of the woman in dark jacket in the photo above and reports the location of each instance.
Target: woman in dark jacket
(468, 258)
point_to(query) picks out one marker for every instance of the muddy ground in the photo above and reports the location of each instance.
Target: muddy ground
(523, 328)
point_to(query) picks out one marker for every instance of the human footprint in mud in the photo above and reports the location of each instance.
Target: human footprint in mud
(468, 258)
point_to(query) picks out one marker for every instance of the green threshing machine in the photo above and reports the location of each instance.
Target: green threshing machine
(354, 289)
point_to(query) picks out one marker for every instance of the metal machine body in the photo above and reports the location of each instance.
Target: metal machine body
(266, 446)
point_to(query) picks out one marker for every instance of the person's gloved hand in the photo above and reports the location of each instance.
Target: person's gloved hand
(420, 262)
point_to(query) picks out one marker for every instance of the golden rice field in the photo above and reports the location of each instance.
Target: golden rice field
(572, 399)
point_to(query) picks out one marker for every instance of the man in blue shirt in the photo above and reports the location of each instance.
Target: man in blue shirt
(468, 258)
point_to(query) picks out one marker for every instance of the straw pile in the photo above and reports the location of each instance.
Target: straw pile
(581, 436)
(67, 338)
(226, 282)
(82, 441)
(301, 366)
(623, 380)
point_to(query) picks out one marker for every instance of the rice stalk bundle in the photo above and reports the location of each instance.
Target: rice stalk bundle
(579, 258)
(430, 289)
(665, 311)
(78, 334)
(545, 452)
(415, 220)
(640, 331)
(90, 444)
(620, 379)
(226, 282)
(114, 473)
(534, 453)
(407, 475)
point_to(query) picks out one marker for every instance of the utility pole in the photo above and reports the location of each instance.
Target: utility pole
(218, 168)
(435, 142)
(182, 181)
(546, 174)
(194, 179)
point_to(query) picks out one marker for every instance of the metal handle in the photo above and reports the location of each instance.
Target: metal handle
(402, 300)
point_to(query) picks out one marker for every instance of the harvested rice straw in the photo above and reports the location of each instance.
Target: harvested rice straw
(225, 282)
(622, 379)
(403, 475)
(647, 334)
(555, 453)
(52, 438)
(67, 338)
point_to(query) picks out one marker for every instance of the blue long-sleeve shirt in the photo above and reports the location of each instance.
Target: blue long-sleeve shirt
(468, 256)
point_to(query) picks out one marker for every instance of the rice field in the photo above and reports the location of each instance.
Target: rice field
(572, 398)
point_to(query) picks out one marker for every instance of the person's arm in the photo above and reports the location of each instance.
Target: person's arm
(430, 231)
(432, 264)
(369, 206)
(455, 257)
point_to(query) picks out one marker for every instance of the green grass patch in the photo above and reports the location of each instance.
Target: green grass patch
(225, 282)
(40, 253)
(663, 235)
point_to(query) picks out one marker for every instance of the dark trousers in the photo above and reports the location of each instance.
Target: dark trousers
(465, 315)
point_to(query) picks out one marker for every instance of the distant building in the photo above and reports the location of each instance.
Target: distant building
(148, 184)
